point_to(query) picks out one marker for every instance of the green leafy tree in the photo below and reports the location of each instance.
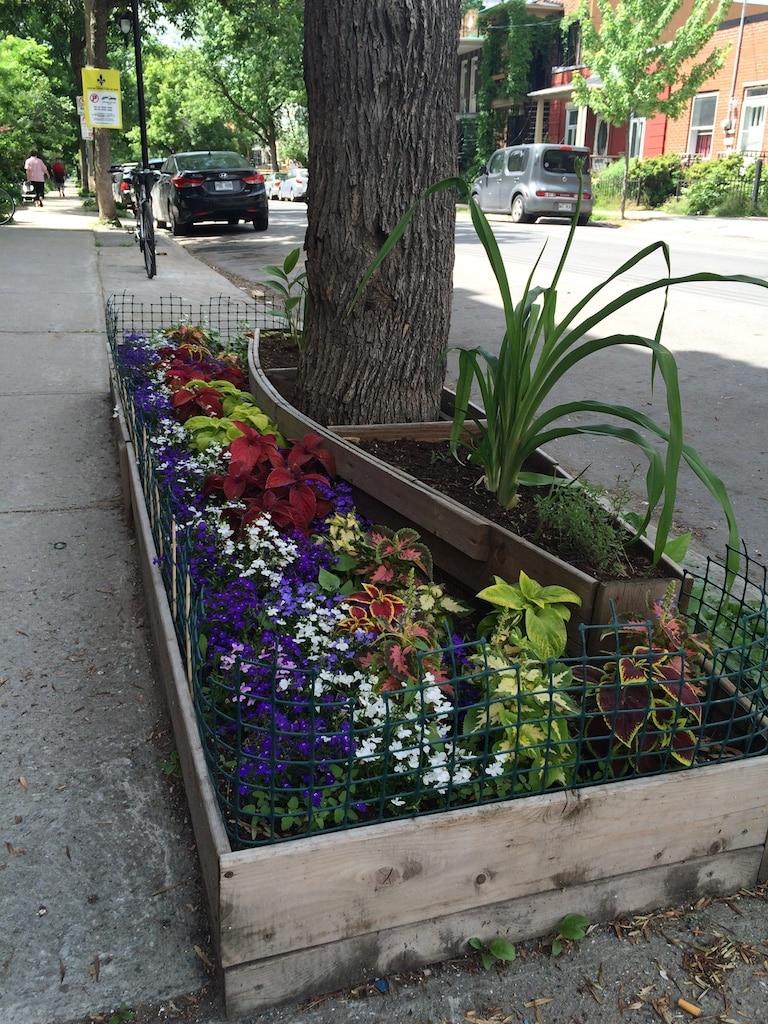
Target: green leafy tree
(31, 114)
(253, 59)
(646, 68)
(515, 43)
(184, 109)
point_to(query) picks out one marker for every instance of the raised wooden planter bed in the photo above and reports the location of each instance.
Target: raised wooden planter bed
(468, 547)
(310, 916)
(297, 919)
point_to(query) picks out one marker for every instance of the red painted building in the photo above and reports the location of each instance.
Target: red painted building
(727, 115)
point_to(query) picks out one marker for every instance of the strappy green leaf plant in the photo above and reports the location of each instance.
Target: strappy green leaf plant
(540, 348)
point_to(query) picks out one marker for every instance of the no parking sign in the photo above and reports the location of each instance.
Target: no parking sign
(103, 102)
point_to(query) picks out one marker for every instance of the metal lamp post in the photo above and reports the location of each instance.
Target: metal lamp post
(127, 22)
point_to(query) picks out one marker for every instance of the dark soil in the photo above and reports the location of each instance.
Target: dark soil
(276, 348)
(433, 464)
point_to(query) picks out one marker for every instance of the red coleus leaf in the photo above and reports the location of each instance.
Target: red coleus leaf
(382, 574)
(309, 454)
(625, 708)
(285, 476)
(380, 603)
(252, 448)
(684, 746)
(396, 655)
(237, 480)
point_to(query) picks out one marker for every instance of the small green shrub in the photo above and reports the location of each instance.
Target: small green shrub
(709, 182)
(583, 519)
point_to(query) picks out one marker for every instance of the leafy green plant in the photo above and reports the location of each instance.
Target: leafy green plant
(293, 291)
(524, 716)
(573, 928)
(122, 1015)
(538, 351)
(585, 528)
(171, 766)
(494, 951)
(528, 615)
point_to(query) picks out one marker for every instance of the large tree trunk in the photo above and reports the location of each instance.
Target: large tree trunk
(380, 78)
(97, 15)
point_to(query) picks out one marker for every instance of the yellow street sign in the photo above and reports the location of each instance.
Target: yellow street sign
(103, 101)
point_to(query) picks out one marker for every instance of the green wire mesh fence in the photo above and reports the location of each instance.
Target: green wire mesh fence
(294, 752)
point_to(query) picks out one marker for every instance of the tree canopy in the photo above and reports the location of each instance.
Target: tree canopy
(644, 66)
(31, 114)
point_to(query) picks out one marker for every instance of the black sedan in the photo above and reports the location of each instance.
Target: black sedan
(209, 186)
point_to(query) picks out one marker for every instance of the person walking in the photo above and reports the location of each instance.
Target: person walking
(59, 172)
(37, 172)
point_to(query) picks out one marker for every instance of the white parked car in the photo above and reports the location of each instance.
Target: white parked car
(295, 184)
(273, 181)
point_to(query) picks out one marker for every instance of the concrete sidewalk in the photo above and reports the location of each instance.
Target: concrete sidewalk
(100, 899)
(99, 894)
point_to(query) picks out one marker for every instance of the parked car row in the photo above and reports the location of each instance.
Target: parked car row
(209, 185)
(122, 183)
(294, 185)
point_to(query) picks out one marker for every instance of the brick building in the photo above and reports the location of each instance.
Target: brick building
(728, 114)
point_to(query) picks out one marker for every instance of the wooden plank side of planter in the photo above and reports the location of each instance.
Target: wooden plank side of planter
(392, 875)
(210, 835)
(348, 962)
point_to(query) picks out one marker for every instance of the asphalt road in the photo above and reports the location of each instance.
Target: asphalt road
(718, 333)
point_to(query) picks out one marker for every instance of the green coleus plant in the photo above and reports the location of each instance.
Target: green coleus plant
(527, 706)
(528, 616)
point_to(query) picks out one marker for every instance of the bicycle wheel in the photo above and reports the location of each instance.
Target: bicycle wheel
(148, 232)
(7, 206)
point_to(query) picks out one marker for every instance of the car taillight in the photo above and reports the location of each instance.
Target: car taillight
(254, 179)
(182, 182)
(125, 186)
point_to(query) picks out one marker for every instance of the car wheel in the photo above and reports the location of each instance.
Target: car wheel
(292, 196)
(584, 220)
(232, 221)
(161, 222)
(261, 223)
(176, 228)
(519, 216)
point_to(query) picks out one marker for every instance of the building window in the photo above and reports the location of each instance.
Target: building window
(601, 137)
(636, 137)
(473, 69)
(702, 125)
(571, 122)
(572, 46)
(463, 87)
(753, 121)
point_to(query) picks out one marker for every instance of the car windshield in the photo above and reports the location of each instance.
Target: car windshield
(211, 161)
(563, 161)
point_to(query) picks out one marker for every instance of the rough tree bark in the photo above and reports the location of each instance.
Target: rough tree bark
(97, 15)
(380, 78)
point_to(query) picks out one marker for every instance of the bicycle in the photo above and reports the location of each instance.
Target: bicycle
(144, 232)
(7, 206)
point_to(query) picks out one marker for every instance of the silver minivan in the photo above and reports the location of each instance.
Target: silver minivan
(537, 180)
